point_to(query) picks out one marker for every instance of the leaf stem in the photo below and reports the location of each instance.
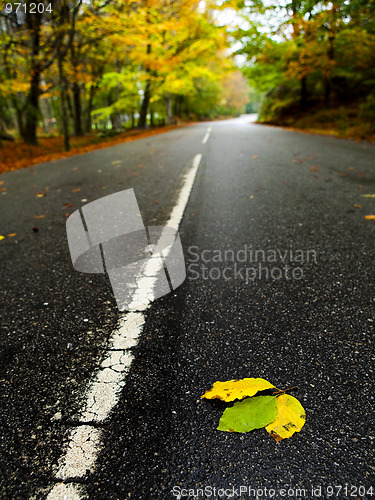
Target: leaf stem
(279, 392)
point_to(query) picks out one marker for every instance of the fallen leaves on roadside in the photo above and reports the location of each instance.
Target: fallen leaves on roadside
(255, 157)
(314, 168)
(1, 237)
(11, 235)
(68, 205)
(368, 195)
(39, 216)
(40, 195)
(281, 414)
(357, 206)
(370, 217)
(76, 190)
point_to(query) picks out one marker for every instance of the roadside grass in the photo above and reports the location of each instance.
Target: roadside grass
(16, 155)
(343, 122)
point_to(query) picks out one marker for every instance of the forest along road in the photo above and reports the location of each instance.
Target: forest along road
(280, 285)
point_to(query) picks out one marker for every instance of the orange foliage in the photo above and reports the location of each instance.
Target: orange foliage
(19, 155)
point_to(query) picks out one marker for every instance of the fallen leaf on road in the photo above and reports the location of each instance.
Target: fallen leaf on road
(255, 157)
(40, 195)
(39, 216)
(68, 204)
(2, 182)
(76, 190)
(116, 162)
(3, 189)
(249, 414)
(351, 168)
(368, 195)
(370, 217)
(1, 237)
(237, 389)
(314, 168)
(357, 206)
(140, 165)
(11, 235)
(290, 418)
(282, 415)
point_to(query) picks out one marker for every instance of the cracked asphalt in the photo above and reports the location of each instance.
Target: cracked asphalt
(296, 199)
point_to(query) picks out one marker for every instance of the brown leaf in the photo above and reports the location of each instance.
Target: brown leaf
(11, 235)
(39, 216)
(76, 190)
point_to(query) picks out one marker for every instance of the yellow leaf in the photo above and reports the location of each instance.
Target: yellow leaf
(11, 235)
(237, 389)
(290, 418)
(370, 217)
(1, 237)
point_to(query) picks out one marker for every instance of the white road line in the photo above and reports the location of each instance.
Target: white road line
(205, 138)
(104, 389)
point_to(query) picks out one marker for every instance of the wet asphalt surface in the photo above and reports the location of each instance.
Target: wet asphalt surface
(260, 188)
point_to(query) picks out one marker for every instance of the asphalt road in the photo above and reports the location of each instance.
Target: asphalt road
(298, 200)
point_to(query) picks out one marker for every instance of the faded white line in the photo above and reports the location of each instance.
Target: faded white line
(103, 391)
(206, 137)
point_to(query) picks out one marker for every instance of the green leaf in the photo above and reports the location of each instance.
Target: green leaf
(249, 414)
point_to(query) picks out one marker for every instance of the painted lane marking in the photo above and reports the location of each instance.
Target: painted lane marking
(205, 138)
(104, 390)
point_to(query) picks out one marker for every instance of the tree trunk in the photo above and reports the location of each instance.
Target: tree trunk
(64, 114)
(168, 105)
(77, 110)
(304, 94)
(327, 79)
(144, 107)
(89, 109)
(31, 110)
